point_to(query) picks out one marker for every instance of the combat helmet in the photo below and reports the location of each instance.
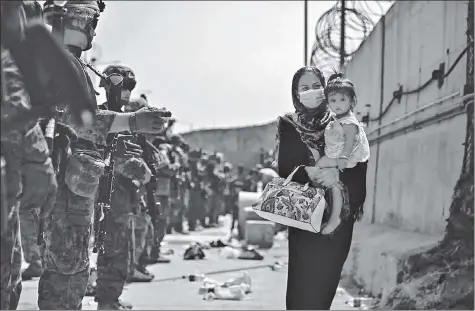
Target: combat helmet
(124, 71)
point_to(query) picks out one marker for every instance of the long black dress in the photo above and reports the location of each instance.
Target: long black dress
(316, 260)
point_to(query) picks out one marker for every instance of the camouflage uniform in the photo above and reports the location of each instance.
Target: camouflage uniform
(215, 186)
(142, 221)
(179, 187)
(197, 197)
(114, 263)
(28, 171)
(162, 195)
(67, 230)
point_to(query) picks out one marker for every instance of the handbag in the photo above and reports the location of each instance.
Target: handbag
(292, 204)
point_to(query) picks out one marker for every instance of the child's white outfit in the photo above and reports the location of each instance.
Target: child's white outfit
(335, 140)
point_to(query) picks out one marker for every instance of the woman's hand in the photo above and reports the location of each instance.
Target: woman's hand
(327, 177)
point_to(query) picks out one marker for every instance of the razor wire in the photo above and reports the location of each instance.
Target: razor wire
(360, 19)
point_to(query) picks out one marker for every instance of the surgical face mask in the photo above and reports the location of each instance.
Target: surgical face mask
(312, 98)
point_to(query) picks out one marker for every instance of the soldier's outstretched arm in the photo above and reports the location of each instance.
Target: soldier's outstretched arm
(144, 120)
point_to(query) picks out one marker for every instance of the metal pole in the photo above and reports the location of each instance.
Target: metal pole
(305, 61)
(342, 35)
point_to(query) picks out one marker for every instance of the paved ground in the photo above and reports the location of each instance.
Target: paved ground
(268, 287)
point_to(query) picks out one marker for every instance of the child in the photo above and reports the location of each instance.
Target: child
(345, 140)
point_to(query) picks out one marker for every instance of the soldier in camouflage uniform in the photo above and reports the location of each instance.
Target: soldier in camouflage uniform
(140, 220)
(162, 195)
(29, 213)
(68, 228)
(131, 172)
(179, 185)
(28, 169)
(215, 187)
(197, 196)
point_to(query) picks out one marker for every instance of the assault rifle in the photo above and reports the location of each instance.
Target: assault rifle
(153, 207)
(103, 203)
(106, 183)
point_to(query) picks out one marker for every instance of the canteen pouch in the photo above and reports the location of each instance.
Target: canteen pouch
(83, 173)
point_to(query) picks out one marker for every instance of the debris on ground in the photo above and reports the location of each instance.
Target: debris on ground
(217, 244)
(243, 252)
(235, 288)
(194, 251)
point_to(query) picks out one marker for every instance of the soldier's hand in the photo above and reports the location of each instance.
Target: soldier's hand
(149, 120)
(39, 186)
(132, 150)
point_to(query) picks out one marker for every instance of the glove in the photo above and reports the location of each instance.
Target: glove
(135, 169)
(149, 120)
(39, 186)
(132, 150)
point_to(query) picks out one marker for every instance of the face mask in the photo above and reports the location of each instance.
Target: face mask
(311, 98)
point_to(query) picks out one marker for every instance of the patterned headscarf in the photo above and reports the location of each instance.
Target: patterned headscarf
(309, 123)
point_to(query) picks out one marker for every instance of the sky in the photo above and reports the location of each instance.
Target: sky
(213, 64)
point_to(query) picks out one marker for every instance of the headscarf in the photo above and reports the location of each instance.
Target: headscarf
(309, 123)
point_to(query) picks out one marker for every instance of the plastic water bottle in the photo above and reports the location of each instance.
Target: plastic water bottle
(195, 277)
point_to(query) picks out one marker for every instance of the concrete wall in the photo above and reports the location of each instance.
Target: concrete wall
(239, 145)
(411, 176)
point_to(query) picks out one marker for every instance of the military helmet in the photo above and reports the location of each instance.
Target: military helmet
(86, 10)
(124, 71)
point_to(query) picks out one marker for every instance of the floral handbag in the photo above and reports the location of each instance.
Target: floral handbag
(292, 204)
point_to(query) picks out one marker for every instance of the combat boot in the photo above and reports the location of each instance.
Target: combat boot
(144, 270)
(157, 257)
(140, 277)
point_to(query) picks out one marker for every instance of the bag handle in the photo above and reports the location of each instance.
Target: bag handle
(289, 178)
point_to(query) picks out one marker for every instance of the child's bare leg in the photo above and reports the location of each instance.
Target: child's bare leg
(337, 205)
(327, 162)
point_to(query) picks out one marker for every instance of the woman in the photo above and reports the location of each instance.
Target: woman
(315, 260)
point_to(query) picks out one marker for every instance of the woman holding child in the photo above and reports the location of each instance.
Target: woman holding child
(324, 136)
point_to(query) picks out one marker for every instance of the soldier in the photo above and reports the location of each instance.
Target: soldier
(113, 263)
(162, 193)
(29, 213)
(26, 166)
(178, 185)
(215, 186)
(197, 194)
(140, 220)
(67, 230)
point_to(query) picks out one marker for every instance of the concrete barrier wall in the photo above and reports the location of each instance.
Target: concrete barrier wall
(239, 145)
(411, 175)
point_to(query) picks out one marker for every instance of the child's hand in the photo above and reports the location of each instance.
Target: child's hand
(342, 163)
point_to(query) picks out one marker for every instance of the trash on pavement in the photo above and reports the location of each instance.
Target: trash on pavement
(229, 252)
(245, 252)
(194, 277)
(235, 292)
(233, 289)
(278, 266)
(243, 278)
(194, 251)
(249, 253)
(217, 243)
